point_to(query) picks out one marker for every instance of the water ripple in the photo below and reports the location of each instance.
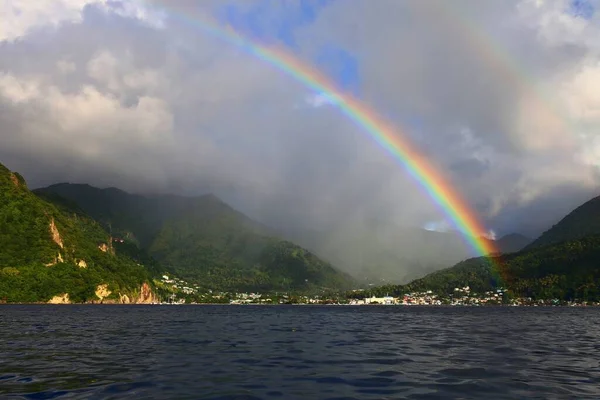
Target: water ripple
(224, 352)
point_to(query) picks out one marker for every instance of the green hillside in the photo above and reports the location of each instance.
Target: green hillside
(50, 249)
(581, 222)
(478, 273)
(204, 240)
(563, 263)
(567, 270)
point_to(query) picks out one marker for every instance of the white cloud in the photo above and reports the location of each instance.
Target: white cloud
(490, 235)
(66, 67)
(121, 75)
(555, 25)
(20, 17)
(582, 94)
(438, 226)
(202, 110)
(318, 100)
(18, 91)
(103, 68)
(93, 125)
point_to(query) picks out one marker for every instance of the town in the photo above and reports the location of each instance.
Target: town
(177, 291)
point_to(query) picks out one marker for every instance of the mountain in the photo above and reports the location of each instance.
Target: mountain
(581, 222)
(563, 263)
(50, 251)
(566, 270)
(511, 243)
(379, 252)
(204, 240)
(480, 273)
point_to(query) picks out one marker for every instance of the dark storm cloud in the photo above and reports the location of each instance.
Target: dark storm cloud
(138, 98)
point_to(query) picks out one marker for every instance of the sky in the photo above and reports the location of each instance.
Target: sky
(501, 96)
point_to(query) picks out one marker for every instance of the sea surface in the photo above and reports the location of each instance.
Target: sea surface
(298, 352)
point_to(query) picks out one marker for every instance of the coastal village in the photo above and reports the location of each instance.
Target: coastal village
(181, 292)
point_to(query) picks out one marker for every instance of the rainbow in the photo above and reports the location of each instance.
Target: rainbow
(390, 139)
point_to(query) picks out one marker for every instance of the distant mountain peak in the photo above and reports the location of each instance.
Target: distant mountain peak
(509, 243)
(212, 198)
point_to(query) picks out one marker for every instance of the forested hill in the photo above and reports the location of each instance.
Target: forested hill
(205, 240)
(567, 270)
(53, 252)
(581, 222)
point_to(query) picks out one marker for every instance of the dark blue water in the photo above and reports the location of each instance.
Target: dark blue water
(298, 352)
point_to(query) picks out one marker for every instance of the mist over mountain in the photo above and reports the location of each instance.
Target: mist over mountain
(204, 240)
(378, 252)
(121, 94)
(370, 250)
(561, 264)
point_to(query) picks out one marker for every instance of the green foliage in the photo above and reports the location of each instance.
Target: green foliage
(9, 272)
(290, 266)
(480, 274)
(567, 270)
(31, 269)
(24, 225)
(204, 240)
(129, 249)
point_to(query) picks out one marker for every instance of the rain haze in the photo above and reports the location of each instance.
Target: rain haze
(501, 96)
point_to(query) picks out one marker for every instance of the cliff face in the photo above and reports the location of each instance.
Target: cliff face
(102, 292)
(15, 180)
(56, 238)
(53, 252)
(146, 295)
(60, 299)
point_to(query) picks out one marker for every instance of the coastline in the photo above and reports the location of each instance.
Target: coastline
(317, 305)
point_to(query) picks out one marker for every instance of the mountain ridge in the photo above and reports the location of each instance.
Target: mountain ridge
(561, 264)
(204, 239)
(582, 221)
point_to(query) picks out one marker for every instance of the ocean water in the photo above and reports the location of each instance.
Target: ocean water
(298, 352)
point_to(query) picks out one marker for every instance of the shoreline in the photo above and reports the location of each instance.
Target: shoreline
(318, 305)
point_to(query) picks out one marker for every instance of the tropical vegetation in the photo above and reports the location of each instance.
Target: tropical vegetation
(51, 248)
(203, 240)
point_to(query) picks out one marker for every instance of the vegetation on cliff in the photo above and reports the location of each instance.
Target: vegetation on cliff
(49, 248)
(204, 240)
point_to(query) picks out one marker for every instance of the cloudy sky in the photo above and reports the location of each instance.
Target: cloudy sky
(502, 96)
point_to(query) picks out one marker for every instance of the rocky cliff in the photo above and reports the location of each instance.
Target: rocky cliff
(52, 253)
